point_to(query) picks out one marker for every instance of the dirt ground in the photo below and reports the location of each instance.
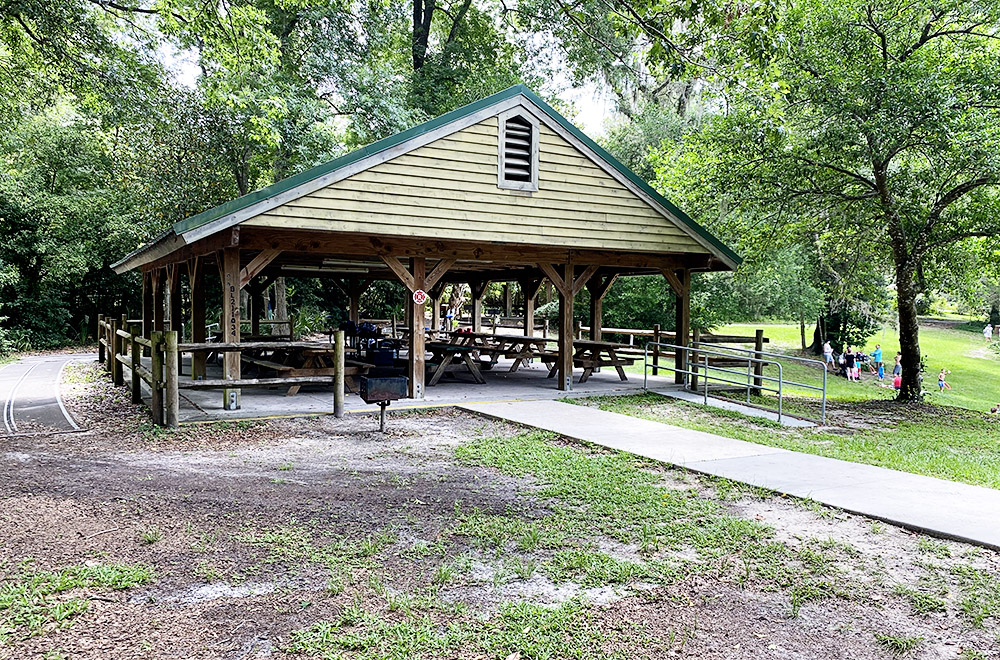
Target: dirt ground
(231, 520)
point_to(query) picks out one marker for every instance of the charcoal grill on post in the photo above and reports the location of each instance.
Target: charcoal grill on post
(382, 390)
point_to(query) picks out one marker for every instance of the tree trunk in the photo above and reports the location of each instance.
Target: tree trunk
(802, 330)
(995, 314)
(909, 345)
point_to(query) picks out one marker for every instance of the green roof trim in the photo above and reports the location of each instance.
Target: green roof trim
(292, 182)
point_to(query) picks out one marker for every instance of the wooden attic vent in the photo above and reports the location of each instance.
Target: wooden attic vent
(518, 145)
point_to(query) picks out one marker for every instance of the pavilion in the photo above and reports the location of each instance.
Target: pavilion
(502, 190)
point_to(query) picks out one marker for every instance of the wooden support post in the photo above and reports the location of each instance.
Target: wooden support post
(158, 309)
(113, 351)
(598, 287)
(147, 308)
(682, 323)
(656, 349)
(355, 289)
(477, 289)
(418, 266)
(508, 300)
(758, 368)
(568, 284)
(435, 296)
(338, 374)
(156, 373)
(565, 371)
(529, 290)
(171, 371)
(230, 272)
(100, 336)
(136, 362)
(174, 291)
(416, 278)
(196, 282)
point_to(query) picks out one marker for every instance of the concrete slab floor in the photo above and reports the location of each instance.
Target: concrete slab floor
(528, 383)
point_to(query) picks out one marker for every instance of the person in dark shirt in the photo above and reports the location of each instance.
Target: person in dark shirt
(850, 362)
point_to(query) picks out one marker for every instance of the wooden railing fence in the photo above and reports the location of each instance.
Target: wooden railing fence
(119, 348)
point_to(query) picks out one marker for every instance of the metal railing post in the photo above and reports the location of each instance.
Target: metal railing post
(704, 378)
(780, 383)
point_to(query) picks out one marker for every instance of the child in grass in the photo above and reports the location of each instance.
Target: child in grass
(942, 383)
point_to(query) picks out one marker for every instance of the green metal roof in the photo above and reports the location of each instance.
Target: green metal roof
(284, 185)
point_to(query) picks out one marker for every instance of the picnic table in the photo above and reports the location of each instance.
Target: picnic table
(311, 361)
(591, 355)
(449, 357)
(520, 348)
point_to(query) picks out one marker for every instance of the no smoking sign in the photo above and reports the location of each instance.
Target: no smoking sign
(420, 296)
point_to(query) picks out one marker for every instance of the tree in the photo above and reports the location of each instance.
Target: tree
(879, 124)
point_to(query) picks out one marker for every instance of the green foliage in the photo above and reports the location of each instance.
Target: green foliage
(29, 602)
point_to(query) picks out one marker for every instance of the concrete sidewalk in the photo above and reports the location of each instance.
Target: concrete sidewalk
(939, 507)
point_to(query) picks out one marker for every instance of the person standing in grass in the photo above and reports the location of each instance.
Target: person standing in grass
(828, 355)
(850, 362)
(942, 383)
(877, 359)
(897, 369)
(988, 332)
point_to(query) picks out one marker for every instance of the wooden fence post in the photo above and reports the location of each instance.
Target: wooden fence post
(100, 338)
(758, 368)
(656, 349)
(171, 400)
(156, 373)
(136, 362)
(116, 366)
(338, 374)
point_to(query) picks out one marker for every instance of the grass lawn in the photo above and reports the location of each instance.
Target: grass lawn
(975, 368)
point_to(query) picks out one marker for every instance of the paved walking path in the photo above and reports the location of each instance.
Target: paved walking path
(940, 507)
(29, 389)
(726, 404)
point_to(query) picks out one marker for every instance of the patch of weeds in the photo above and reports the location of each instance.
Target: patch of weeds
(592, 569)
(522, 567)
(496, 531)
(27, 606)
(443, 574)
(877, 527)
(520, 630)
(807, 591)
(897, 644)
(285, 467)
(920, 601)
(151, 535)
(972, 654)
(934, 547)
(207, 571)
(980, 594)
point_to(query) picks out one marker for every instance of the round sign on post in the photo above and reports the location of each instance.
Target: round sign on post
(419, 296)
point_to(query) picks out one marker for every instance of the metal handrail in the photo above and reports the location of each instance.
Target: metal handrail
(758, 380)
(752, 352)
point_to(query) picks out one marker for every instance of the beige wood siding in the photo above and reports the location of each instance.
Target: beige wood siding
(448, 189)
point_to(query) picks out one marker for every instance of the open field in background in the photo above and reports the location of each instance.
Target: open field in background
(959, 347)
(449, 537)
